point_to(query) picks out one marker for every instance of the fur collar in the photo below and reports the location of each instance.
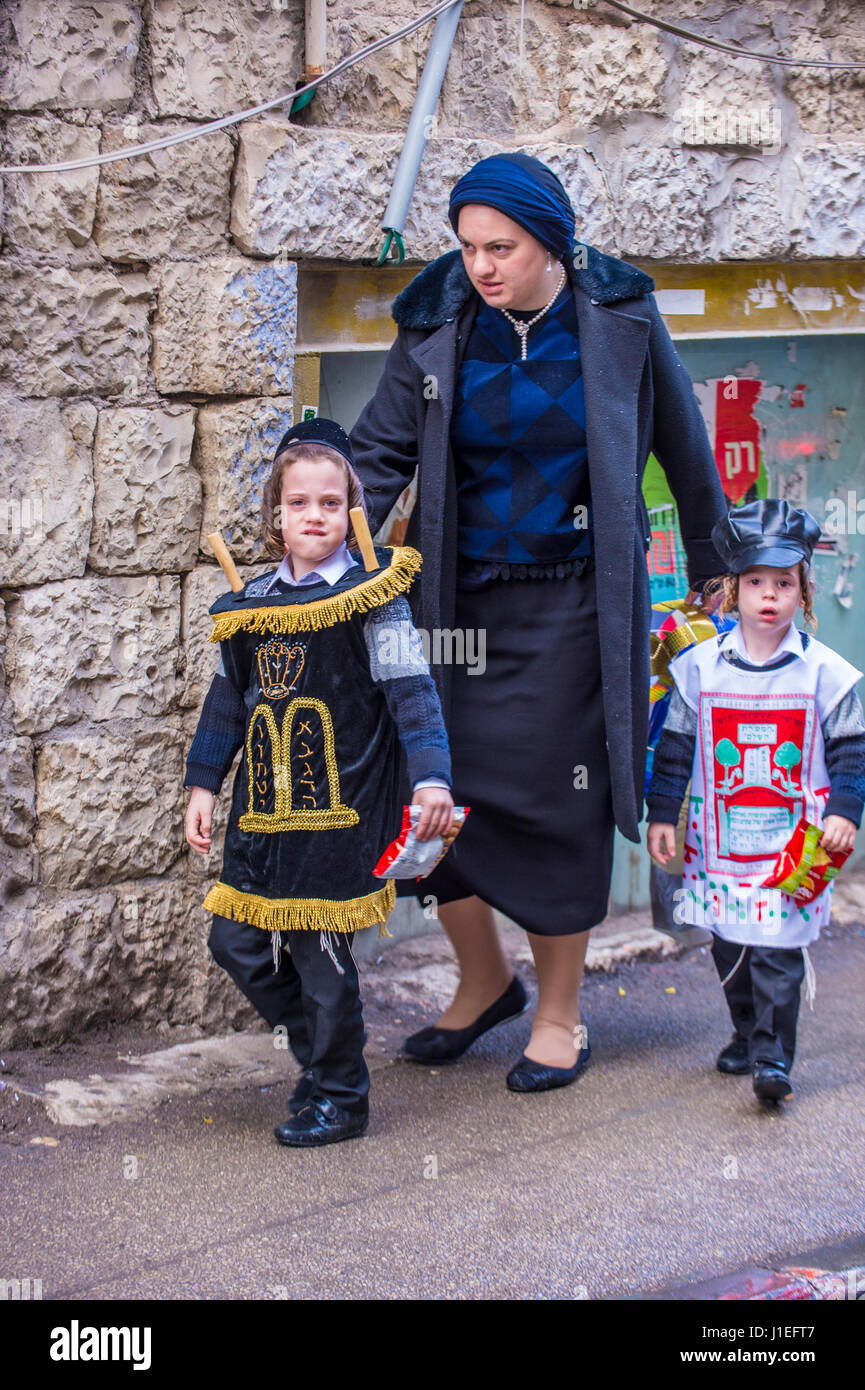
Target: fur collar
(442, 288)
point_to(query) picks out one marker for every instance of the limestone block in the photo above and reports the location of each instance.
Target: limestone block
(339, 185)
(226, 327)
(147, 502)
(19, 872)
(78, 54)
(202, 588)
(56, 979)
(757, 220)
(173, 199)
(109, 803)
(378, 93)
(495, 86)
(665, 202)
(729, 101)
(46, 489)
(161, 959)
(17, 797)
(607, 73)
(831, 212)
(49, 212)
(233, 452)
(829, 102)
(212, 59)
(68, 332)
(97, 649)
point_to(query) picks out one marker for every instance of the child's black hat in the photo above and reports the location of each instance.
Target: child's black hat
(768, 532)
(318, 431)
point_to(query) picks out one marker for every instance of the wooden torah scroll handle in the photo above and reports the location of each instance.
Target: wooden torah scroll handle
(364, 539)
(223, 555)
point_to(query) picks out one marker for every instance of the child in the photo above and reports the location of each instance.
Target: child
(310, 687)
(766, 723)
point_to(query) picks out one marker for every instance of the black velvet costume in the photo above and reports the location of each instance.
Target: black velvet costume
(316, 794)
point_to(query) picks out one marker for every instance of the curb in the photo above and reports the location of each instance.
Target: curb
(791, 1283)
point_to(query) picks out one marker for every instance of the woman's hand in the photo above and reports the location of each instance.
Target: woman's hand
(199, 818)
(661, 842)
(438, 812)
(709, 605)
(838, 835)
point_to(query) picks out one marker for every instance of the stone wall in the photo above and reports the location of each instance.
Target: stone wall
(147, 320)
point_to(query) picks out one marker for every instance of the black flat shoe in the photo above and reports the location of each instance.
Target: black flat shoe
(301, 1093)
(448, 1044)
(537, 1076)
(771, 1082)
(733, 1059)
(320, 1122)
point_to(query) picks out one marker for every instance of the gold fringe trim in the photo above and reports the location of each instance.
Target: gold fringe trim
(325, 612)
(304, 914)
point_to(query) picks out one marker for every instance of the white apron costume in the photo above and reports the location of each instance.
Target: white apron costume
(759, 766)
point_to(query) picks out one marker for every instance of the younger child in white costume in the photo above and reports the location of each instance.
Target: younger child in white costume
(766, 723)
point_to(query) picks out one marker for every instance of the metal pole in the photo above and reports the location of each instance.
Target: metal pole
(419, 125)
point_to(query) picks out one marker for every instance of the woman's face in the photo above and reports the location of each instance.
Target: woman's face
(505, 263)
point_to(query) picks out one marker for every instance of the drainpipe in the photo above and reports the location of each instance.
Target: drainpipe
(418, 131)
(315, 29)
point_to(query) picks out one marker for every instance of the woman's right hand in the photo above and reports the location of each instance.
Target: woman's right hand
(199, 818)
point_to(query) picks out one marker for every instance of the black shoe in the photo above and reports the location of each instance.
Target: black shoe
(301, 1093)
(537, 1076)
(448, 1044)
(320, 1122)
(771, 1082)
(733, 1059)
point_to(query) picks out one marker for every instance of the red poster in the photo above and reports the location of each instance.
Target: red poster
(737, 435)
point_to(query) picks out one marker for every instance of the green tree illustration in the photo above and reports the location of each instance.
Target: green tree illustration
(728, 756)
(787, 755)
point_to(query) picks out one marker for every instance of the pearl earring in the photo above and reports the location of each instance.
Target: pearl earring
(549, 263)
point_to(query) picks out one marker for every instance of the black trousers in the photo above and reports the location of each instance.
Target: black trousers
(763, 997)
(319, 1007)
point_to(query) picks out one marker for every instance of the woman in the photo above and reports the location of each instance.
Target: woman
(530, 378)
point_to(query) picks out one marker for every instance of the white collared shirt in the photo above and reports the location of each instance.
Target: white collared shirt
(790, 642)
(331, 568)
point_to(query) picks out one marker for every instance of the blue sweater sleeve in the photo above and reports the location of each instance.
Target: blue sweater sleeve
(674, 759)
(219, 734)
(398, 666)
(844, 748)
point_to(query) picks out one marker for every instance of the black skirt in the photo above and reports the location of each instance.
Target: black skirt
(529, 757)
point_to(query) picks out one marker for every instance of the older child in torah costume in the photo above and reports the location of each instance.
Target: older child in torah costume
(321, 669)
(766, 723)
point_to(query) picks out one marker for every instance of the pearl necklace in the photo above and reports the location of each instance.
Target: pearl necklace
(522, 327)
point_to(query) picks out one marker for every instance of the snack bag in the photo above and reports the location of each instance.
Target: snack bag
(803, 868)
(408, 857)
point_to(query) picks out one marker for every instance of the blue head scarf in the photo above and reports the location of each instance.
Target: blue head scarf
(525, 190)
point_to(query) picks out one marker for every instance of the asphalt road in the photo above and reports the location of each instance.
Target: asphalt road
(652, 1170)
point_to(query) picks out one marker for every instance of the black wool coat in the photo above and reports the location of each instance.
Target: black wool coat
(639, 399)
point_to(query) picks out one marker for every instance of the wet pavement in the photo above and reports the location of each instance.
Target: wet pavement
(650, 1172)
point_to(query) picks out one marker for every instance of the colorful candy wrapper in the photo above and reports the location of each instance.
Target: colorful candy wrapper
(804, 868)
(409, 857)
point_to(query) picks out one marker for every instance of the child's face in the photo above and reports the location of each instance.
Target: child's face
(313, 508)
(769, 597)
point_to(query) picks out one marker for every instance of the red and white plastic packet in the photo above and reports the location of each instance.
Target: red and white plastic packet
(409, 857)
(804, 868)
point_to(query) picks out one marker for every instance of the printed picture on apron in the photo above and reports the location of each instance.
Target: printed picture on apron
(757, 753)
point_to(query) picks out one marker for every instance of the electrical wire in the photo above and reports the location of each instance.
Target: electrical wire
(733, 48)
(67, 166)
